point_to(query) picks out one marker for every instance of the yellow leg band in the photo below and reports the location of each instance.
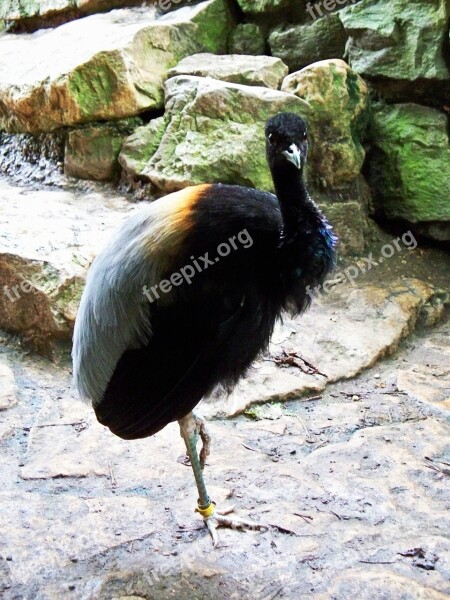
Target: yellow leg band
(208, 511)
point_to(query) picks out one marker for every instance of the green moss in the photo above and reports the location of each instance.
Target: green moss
(141, 145)
(409, 169)
(214, 25)
(93, 86)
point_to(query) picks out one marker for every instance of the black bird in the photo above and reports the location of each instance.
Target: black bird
(186, 294)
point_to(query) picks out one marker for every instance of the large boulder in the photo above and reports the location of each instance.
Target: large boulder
(47, 241)
(101, 67)
(248, 70)
(409, 166)
(339, 101)
(301, 45)
(396, 42)
(212, 131)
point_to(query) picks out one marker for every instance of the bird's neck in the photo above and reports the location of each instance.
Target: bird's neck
(298, 210)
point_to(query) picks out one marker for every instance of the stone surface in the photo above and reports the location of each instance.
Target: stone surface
(408, 169)
(247, 38)
(247, 70)
(301, 45)
(356, 508)
(349, 221)
(214, 132)
(360, 584)
(140, 146)
(408, 47)
(33, 14)
(429, 383)
(262, 7)
(47, 241)
(8, 388)
(347, 209)
(104, 66)
(92, 152)
(343, 333)
(339, 101)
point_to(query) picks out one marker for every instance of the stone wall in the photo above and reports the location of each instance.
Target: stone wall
(173, 94)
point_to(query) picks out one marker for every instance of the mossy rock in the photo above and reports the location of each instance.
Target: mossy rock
(247, 38)
(301, 45)
(339, 100)
(103, 67)
(91, 152)
(397, 39)
(214, 133)
(409, 166)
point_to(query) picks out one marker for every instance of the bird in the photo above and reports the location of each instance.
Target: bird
(185, 296)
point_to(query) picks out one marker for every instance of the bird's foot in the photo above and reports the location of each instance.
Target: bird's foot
(218, 518)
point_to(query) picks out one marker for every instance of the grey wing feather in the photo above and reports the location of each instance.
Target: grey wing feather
(112, 316)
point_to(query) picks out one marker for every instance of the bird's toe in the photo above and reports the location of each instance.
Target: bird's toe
(220, 519)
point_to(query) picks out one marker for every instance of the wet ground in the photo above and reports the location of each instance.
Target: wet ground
(354, 484)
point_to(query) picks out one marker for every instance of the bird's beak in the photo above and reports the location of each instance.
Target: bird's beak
(294, 155)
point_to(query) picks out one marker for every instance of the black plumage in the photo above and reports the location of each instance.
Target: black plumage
(186, 295)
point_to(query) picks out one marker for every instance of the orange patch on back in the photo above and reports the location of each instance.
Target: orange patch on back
(170, 222)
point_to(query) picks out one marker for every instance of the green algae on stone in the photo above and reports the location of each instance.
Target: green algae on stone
(102, 67)
(214, 132)
(19, 9)
(397, 39)
(262, 7)
(141, 145)
(247, 38)
(301, 45)
(93, 86)
(91, 152)
(409, 166)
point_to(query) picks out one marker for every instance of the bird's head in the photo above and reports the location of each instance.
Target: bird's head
(286, 141)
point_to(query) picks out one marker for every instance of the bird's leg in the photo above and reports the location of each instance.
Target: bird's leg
(205, 437)
(191, 427)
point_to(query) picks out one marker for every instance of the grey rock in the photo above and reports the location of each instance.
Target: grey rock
(247, 38)
(47, 241)
(408, 47)
(372, 322)
(101, 67)
(301, 45)
(214, 133)
(92, 152)
(247, 70)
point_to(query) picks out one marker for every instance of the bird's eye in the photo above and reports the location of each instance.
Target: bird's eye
(270, 138)
(305, 136)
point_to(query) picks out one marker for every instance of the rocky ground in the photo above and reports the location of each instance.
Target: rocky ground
(350, 471)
